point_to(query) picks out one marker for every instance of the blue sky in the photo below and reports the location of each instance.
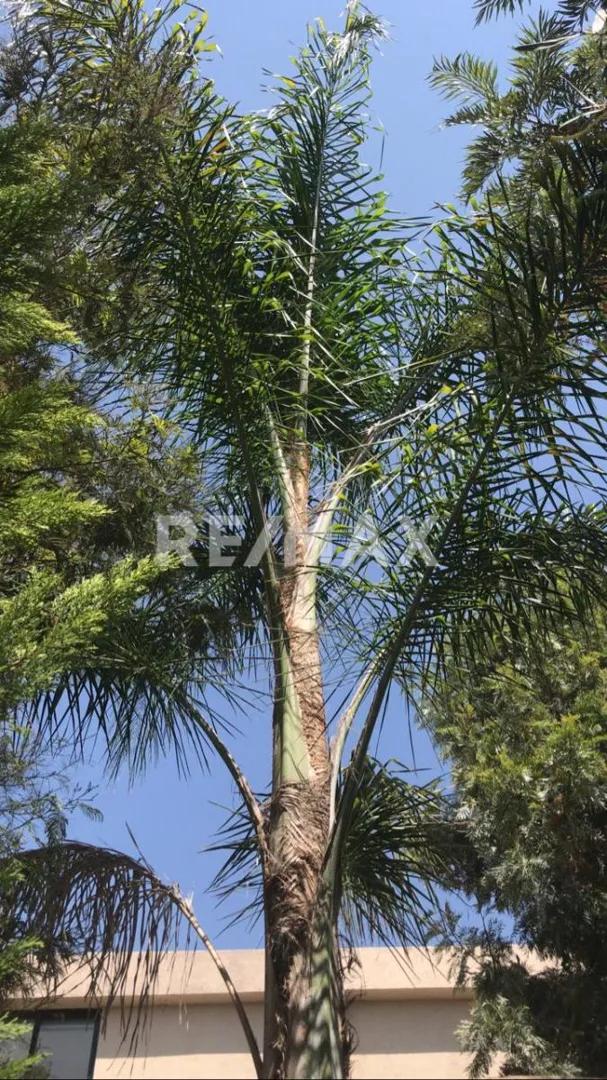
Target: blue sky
(172, 818)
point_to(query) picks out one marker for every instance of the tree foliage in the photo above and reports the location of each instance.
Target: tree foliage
(56, 596)
(81, 482)
(523, 720)
(550, 116)
(526, 732)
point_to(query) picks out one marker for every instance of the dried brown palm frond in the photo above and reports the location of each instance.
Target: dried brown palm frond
(107, 917)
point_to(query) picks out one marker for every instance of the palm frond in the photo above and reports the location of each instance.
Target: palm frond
(488, 9)
(402, 847)
(95, 908)
(150, 669)
(573, 12)
(106, 918)
(465, 78)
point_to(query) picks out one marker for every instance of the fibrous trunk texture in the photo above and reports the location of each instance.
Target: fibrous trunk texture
(304, 1023)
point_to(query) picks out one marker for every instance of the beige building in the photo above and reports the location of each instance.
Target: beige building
(404, 1010)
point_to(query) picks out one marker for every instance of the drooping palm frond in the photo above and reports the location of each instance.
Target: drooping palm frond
(99, 906)
(106, 919)
(149, 672)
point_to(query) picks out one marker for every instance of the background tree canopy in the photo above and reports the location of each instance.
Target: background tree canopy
(524, 725)
(525, 730)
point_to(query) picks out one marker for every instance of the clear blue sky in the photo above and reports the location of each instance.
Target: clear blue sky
(174, 819)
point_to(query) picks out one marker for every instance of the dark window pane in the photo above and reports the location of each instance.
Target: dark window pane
(69, 1043)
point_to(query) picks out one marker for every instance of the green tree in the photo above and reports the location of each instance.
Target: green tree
(328, 379)
(16, 957)
(525, 730)
(524, 725)
(53, 446)
(15, 1060)
(80, 582)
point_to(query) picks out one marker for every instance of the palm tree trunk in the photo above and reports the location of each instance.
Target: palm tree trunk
(316, 1044)
(304, 1015)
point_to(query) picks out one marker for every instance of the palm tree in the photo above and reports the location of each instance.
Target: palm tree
(449, 396)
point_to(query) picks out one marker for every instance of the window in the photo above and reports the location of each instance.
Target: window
(69, 1042)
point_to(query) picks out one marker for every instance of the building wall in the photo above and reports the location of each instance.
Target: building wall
(405, 1038)
(189, 1042)
(404, 1011)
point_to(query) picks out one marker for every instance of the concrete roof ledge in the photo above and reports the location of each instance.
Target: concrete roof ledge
(192, 978)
